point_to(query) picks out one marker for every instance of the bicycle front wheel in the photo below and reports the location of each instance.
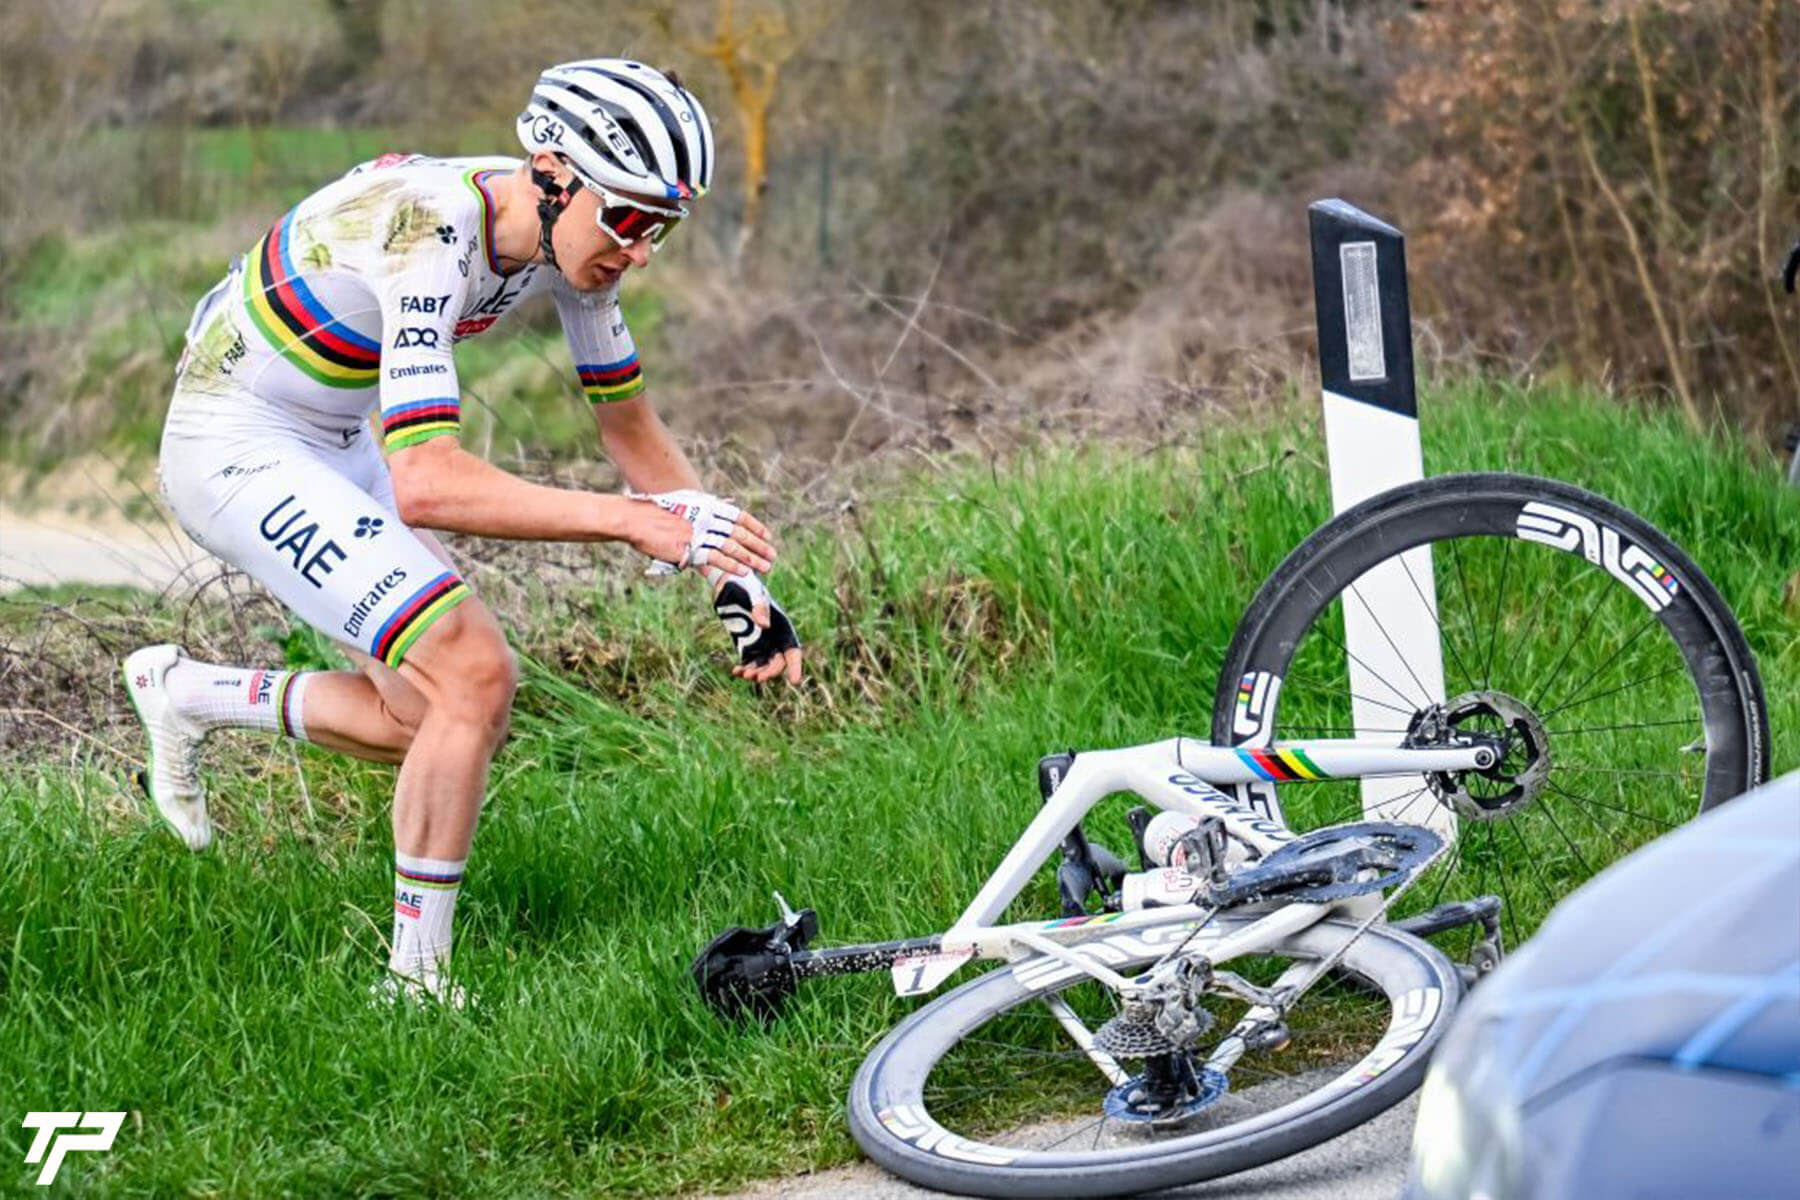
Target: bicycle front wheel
(986, 1091)
(1563, 625)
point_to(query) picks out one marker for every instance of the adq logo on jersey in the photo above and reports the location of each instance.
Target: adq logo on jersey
(48, 1146)
(414, 336)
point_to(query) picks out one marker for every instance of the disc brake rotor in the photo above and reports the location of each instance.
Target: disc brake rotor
(1521, 770)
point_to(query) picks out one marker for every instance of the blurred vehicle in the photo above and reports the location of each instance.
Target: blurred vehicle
(1646, 1042)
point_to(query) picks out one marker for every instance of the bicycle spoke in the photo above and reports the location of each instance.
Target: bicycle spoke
(1487, 673)
(1506, 910)
(1589, 800)
(1532, 697)
(1587, 872)
(1388, 638)
(1374, 674)
(1337, 693)
(1619, 771)
(1608, 664)
(1677, 669)
(1430, 606)
(1450, 868)
(1687, 722)
(1317, 730)
(1524, 638)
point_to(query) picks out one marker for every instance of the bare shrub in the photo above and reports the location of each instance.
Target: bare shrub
(1611, 185)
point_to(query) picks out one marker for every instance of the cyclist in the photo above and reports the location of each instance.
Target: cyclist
(347, 309)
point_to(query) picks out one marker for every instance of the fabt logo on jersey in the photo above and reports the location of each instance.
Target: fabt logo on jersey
(423, 304)
(415, 337)
(234, 354)
(294, 536)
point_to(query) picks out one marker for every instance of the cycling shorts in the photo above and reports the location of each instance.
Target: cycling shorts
(307, 510)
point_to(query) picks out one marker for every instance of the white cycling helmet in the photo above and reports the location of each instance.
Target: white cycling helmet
(622, 127)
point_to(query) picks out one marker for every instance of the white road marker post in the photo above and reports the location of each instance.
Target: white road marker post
(1372, 444)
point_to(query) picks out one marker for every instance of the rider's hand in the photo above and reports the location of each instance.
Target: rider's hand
(691, 528)
(766, 643)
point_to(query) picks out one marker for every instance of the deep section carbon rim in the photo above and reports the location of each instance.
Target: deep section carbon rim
(1571, 631)
(985, 1091)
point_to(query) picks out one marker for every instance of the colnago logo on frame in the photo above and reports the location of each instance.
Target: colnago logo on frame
(49, 1146)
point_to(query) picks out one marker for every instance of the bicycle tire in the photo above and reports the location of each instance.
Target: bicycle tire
(1454, 512)
(891, 1120)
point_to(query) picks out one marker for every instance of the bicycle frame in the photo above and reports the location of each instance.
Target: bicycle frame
(756, 969)
(1179, 775)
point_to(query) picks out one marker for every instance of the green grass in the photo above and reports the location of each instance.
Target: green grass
(983, 616)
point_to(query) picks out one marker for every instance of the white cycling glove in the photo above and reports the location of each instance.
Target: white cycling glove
(755, 645)
(712, 518)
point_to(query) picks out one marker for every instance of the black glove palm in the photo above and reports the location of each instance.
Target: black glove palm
(755, 645)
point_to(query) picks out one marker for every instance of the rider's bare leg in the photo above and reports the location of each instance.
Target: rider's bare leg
(464, 671)
(372, 713)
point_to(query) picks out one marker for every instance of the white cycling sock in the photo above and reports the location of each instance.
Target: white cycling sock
(239, 697)
(424, 907)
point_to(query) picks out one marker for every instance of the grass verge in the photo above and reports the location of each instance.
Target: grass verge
(963, 624)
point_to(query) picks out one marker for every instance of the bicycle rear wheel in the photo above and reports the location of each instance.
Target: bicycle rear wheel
(1568, 625)
(984, 1092)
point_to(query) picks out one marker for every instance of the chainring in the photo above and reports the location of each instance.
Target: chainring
(1335, 863)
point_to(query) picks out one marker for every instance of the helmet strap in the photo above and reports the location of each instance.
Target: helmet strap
(553, 199)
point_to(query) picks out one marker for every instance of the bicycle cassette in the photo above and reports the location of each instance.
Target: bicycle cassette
(1333, 864)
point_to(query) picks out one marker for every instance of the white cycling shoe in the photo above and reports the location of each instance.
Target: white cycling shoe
(173, 780)
(406, 991)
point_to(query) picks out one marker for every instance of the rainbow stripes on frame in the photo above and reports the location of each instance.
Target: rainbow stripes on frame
(414, 617)
(1281, 766)
(420, 420)
(608, 383)
(296, 324)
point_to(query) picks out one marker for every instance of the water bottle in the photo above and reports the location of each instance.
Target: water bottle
(1161, 888)
(1172, 884)
(1162, 838)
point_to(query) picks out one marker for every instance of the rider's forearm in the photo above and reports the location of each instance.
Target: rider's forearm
(439, 485)
(641, 446)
